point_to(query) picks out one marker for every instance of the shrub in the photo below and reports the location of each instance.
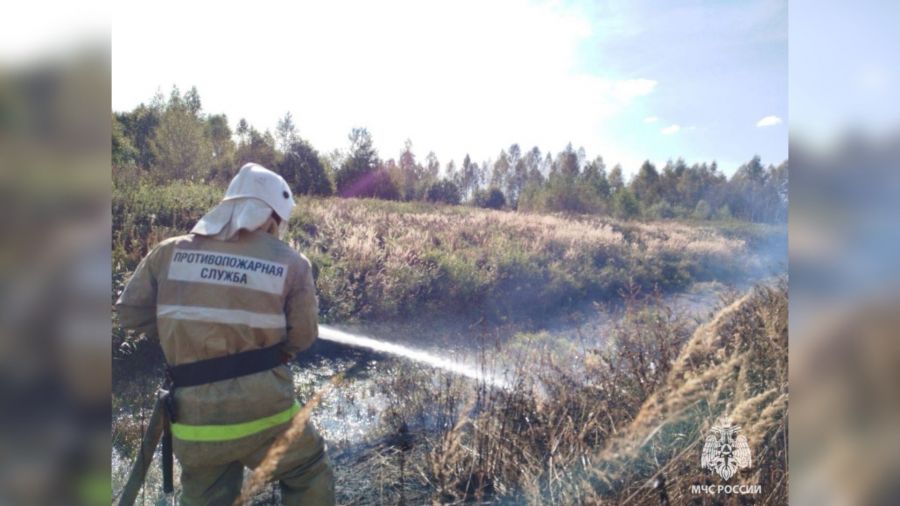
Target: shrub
(303, 170)
(625, 205)
(724, 213)
(661, 210)
(491, 199)
(444, 191)
(703, 211)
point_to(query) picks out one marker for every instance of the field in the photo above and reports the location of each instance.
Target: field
(379, 260)
(621, 420)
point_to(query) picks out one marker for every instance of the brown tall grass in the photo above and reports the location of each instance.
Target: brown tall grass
(389, 260)
(378, 259)
(623, 424)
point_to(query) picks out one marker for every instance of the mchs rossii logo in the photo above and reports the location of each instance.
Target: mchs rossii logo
(726, 450)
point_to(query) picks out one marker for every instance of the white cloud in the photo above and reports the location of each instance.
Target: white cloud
(672, 129)
(629, 89)
(651, 119)
(768, 121)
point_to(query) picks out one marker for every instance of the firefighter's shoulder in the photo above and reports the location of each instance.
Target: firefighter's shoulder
(158, 251)
(176, 241)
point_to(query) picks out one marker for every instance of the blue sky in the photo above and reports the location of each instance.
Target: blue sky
(721, 67)
(627, 80)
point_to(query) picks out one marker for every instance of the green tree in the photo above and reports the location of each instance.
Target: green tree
(625, 205)
(531, 197)
(661, 210)
(192, 101)
(303, 170)
(703, 211)
(518, 175)
(468, 177)
(746, 191)
(332, 162)
(223, 149)
(410, 173)
(452, 175)
(243, 131)
(183, 149)
(123, 153)
(482, 174)
(382, 186)
(562, 193)
(616, 180)
(286, 132)
(567, 163)
(500, 175)
(777, 192)
(724, 213)
(593, 178)
(669, 179)
(432, 171)
(645, 186)
(443, 191)
(492, 198)
(260, 148)
(139, 126)
(360, 174)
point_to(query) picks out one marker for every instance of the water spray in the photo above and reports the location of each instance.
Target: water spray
(333, 335)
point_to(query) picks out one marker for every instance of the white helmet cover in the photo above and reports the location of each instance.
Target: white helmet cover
(256, 181)
(249, 201)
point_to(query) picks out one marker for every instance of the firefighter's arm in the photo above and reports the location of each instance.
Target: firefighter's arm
(302, 311)
(137, 303)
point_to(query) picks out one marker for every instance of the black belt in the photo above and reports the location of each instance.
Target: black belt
(206, 371)
(212, 370)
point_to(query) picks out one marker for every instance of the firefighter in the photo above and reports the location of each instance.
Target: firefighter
(231, 304)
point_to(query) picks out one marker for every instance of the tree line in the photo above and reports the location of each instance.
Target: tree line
(173, 139)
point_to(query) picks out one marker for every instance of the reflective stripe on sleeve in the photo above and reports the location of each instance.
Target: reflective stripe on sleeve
(227, 316)
(210, 433)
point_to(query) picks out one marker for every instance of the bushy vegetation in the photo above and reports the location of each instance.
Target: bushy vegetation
(174, 140)
(376, 259)
(382, 260)
(443, 191)
(620, 423)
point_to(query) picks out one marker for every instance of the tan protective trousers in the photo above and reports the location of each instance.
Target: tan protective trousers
(303, 480)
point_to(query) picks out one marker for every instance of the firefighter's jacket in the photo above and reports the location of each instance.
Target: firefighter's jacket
(206, 298)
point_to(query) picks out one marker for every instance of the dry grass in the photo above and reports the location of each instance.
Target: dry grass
(734, 366)
(381, 260)
(624, 424)
(389, 260)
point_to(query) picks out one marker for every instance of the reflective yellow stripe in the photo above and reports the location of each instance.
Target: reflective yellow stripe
(233, 431)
